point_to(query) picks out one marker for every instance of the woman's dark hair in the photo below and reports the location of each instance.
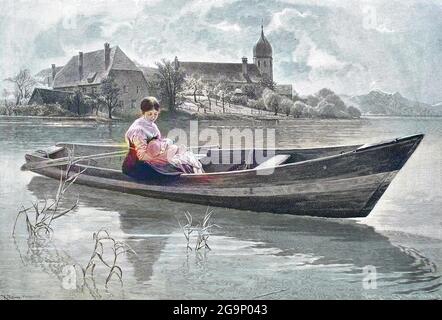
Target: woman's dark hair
(149, 103)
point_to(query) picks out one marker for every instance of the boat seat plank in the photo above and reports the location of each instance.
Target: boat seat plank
(273, 161)
(48, 151)
(200, 156)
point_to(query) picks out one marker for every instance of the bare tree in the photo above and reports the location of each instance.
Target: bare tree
(170, 82)
(228, 97)
(221, 90)
(272, 101)
(286, 106)
(96, 101)
(195, 84)
(266, 82)
(209, 91)
(24, 83)
(111, 94)
(250, 91)
(299, 109)
(7, 104)
(153, 86)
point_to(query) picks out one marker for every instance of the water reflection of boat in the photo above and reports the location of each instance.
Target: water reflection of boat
(339, 182)
(149, 224)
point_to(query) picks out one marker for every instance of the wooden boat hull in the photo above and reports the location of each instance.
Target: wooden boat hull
(337, 182)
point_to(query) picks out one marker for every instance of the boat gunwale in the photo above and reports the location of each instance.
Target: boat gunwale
(393, 140)
(187, 175)
(379, 145)
(282, 166)
(218, 149)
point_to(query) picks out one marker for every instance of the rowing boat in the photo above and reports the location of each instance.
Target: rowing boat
(333, 182)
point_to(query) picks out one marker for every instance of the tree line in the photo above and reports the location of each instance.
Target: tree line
(173, 87)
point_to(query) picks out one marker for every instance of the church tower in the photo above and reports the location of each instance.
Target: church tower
(262, 56)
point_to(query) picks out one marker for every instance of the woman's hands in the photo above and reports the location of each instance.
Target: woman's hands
(165, 144)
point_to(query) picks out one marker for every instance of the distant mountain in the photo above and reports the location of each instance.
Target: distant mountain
(377, 102)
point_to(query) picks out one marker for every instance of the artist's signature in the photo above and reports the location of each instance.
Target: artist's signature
(9, 297)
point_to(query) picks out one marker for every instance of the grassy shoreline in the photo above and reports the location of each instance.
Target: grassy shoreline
(88, 118)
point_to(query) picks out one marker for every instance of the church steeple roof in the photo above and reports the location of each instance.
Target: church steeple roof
(262, 48)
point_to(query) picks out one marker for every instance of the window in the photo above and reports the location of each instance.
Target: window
(133, 103)
(138, 89)
(91, 77)
(125, 89)
(265, 64)
(259, 63)
(83, 89)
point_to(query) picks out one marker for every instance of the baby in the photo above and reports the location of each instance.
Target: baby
(177, 155)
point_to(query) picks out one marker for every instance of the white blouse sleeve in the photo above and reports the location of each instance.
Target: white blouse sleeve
(139, 141)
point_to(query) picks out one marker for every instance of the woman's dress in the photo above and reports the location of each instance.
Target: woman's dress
(148, 150)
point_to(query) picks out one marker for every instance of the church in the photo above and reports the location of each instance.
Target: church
(239, 74)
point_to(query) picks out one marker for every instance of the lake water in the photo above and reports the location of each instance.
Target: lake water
(395, 253)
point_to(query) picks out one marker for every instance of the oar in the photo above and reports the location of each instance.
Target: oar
(67, 160)
(205, 147)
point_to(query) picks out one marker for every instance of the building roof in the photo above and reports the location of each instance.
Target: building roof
(45, 73)
(213, 71)
(149, 72)
(48, 96)
(94, 70)
(44, 76)
(263, 48)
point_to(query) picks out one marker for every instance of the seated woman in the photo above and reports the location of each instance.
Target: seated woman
(152, 156)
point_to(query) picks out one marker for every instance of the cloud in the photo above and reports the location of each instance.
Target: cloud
(315, 43)
(307, 52)
(282, 20)
(322, 60)
(203, 6)
(225, 26)
(384, 29)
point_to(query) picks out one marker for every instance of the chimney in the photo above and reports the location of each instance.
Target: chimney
(53, 72)
(80, 65)
(244, 66)
(176, 63)
(106, 55)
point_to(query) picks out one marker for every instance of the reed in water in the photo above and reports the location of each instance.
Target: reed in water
(39, 217)
(202, 229)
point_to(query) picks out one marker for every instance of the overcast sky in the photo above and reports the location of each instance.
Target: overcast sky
(351, 46)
